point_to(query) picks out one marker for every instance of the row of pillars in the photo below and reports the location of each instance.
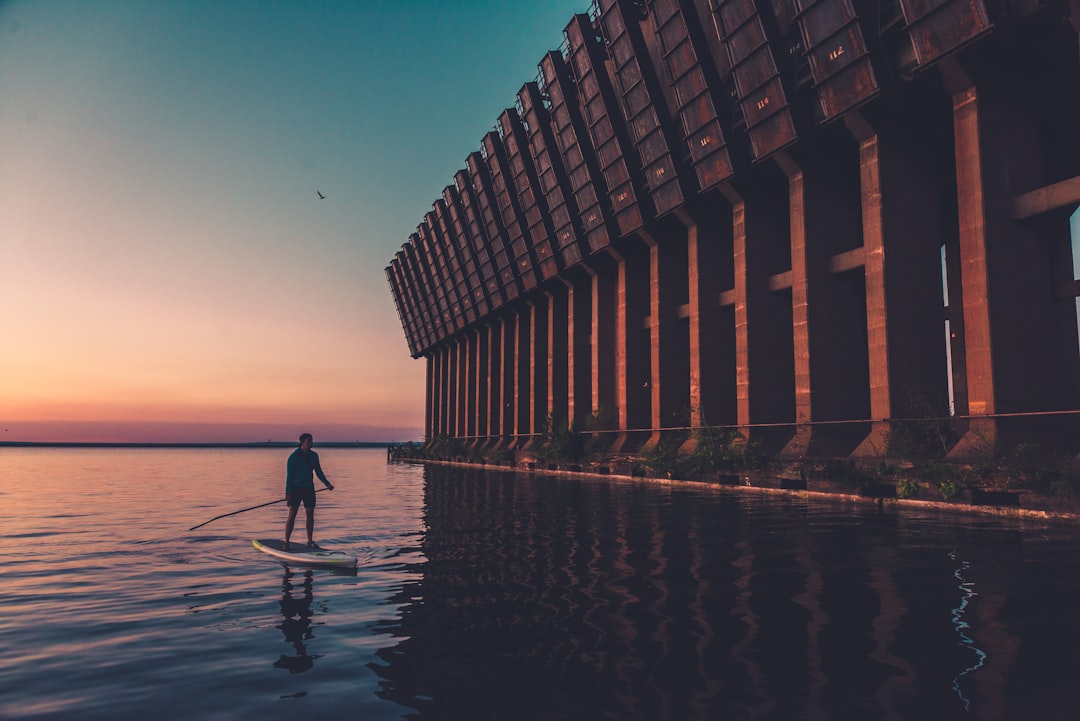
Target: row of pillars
(805, 305)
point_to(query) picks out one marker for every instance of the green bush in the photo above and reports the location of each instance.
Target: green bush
(724, 449)
(561, 442)
(948, 489)
(664, 459)
(906, 489)
(926, 429)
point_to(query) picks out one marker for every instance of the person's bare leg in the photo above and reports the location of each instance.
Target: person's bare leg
(310, 527)
(289, 526)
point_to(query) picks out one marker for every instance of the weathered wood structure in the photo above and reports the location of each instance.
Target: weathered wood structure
(805, 219)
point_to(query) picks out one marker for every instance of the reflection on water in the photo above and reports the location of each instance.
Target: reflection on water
(514, 597)
(557, 599)
(295, 623)
(967, 592)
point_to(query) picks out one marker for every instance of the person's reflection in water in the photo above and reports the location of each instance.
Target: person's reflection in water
(296, 621)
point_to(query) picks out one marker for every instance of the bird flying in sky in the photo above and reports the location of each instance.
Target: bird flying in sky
(321, 196)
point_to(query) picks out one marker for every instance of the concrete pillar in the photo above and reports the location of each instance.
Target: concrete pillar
(449, 389)
(799, 444)
(1015, 363)
(537, 410)
(453, 381)
(836, 293)
(694, 306)
(622, 402)
(444, 392)
(480, 383)
(522, 396)
(742, 324)
(876, 442)
(461, 426)
(669, 371)
(494, 381)
(440, 391)
(902, 235)
(558, 355)
(657, 323)
(578, 347)
(471, 340)
(633, 355)
(605, 377)
(980, 440)
(429, 399)
(507, 423)
(710, 373)
(764, 347)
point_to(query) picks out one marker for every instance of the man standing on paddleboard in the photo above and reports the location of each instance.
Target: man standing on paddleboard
(300, 486)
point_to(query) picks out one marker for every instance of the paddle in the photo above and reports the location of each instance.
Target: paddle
(243, 510)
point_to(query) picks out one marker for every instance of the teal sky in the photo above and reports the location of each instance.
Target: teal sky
(167, 270)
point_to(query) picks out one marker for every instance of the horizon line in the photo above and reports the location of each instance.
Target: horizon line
(194, 444)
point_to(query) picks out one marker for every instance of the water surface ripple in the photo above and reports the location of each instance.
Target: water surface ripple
(498, 596)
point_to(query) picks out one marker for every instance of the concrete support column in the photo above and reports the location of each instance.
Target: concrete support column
(762, 309)
(444, 391)
(1016, 358)
(658, 330)
(834, 293)
(558, 355)
(578, 348)
(981, 436)
(742, 325)
(449, 390)
(708, 374)
(453, 381)
(605, 368)
(494, 381)
(633, 355)
(471, 339)
(522, 393)
(462, 383)
(799, 444)
(902, 222)
(622, 396)
(440, 391)
(507, 423)
(480, 383)
(876, 443)
(429, 398)
(694, 306)
(669, 382)
(538, 365)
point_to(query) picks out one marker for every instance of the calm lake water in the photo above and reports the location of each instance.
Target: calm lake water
(496, 596)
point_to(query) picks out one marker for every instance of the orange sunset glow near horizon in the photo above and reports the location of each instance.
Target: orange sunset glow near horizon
(198, 201)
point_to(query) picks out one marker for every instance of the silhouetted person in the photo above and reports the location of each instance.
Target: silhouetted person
(300, 487)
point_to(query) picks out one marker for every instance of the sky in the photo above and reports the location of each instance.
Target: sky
(168, 272)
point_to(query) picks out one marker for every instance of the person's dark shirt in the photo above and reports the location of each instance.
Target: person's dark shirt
(300, 471)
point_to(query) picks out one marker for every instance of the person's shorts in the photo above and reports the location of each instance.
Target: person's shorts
(307, 495)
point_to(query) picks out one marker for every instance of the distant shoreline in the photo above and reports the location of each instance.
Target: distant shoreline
(262, 444)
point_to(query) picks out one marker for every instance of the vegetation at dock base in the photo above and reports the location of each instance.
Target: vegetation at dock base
(562, 443)
(931, 430)
(714, 451)
(1044, 475)
(906, 488)
(913, 466)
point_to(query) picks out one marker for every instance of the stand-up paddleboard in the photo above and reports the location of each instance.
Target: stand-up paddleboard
(300, 555)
